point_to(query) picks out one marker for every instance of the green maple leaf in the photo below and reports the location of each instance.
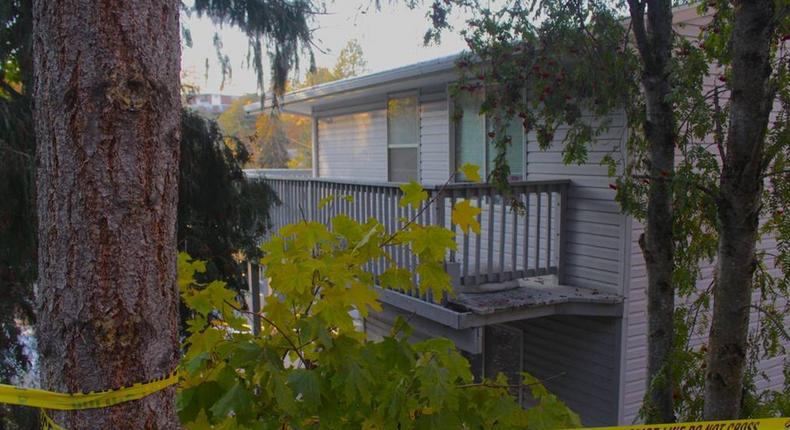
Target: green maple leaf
(471, 172)
(325, 201)
(413, 194)
(306, 383)
(362, 297)
(433, 277)
(236, 399)
(465, 217)
(431, 242)
(396, 278)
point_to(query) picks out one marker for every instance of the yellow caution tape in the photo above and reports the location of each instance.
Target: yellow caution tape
(750, 424)
(68, 402)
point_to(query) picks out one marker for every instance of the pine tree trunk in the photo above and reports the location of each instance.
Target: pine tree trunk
(107, 114)
(741, 185)
(654, 41)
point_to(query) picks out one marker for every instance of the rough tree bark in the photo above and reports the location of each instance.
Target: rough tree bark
(741, 185)
(654, 43)
(107, 114)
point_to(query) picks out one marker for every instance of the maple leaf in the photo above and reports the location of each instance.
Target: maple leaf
(464, 216)
(471, 172)
(413, 194)
(325, 201)
(433, 277)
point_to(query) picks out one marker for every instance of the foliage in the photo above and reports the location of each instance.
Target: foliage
(312, 367)
(350, 61)
(220, 213)
(280, 30)
(271, 134)
(17, 215)
(554, 63)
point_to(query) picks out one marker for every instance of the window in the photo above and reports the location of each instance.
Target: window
(514, 152)
(403, 138)
(472, 144)
(470, 132)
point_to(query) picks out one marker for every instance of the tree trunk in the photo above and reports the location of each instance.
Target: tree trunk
(741, 185)
(654, 42)
(107, 115)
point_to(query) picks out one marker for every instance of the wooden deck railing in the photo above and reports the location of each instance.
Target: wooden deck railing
(511, 244)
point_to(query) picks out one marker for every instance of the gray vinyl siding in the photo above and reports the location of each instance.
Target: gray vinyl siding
(595, 227)
(434, 139)
(578, 358)
(635, 336)
(353, 145)
(635, 312)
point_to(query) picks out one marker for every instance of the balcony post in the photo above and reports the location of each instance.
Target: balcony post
(561, 233)
(254, 283)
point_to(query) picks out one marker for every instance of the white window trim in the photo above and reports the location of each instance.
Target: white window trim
(454, 142)
(401, 94)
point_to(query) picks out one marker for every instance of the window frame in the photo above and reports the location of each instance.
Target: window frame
(484, 170)
(416, 145)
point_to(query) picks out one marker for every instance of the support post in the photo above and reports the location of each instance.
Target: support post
(314, 138)
(562, 233)
(254, 279)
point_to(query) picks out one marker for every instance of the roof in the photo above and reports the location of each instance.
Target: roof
(437, 71)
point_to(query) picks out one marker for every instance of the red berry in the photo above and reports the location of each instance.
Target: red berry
(613, 186)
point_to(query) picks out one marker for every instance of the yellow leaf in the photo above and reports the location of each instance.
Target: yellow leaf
(413, 194)
(325, 201)
(471, 172)
(464, 216)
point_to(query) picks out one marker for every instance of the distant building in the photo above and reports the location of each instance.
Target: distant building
(210, 103)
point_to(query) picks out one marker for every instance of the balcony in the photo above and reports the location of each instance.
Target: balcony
(511, 270)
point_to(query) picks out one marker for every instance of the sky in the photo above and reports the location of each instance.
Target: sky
(390, 38)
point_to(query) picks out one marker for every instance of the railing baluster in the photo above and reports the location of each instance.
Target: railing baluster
(549, 238)
(490, 236)
(465, 273)
(455, 231)
(478, 236)
(502, 230)
(537, 231)
(561, 233)
(526, 232)
(514, 241)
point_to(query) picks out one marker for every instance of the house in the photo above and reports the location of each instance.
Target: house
(558, 291)
(213, 104)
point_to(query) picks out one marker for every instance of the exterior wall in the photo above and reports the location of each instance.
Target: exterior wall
(354, 145)
(434, 138)
(595, 233)
(352, 142)
(578, 358)
(635, 335)
(634, 373)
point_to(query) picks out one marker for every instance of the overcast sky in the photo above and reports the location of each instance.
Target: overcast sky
(389, 38)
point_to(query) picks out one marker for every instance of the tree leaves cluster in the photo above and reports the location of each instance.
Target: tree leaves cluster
(576, 62)
(221, 215)
(271, 135)
(312, 366)
(279, 30)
